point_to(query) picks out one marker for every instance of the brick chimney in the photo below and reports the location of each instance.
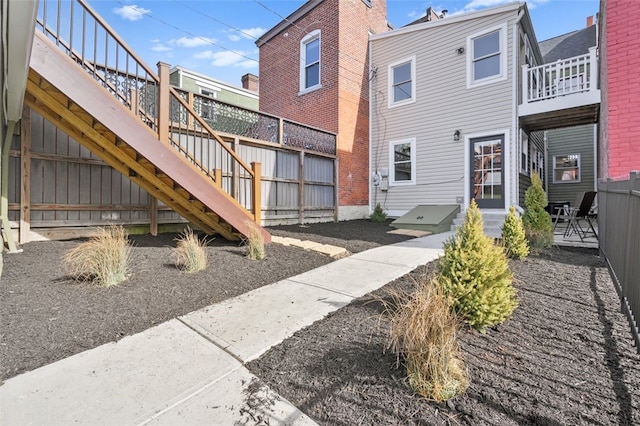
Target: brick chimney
(589, 21)
(250, 82)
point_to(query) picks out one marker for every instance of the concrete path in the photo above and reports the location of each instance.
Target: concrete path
(190, 370)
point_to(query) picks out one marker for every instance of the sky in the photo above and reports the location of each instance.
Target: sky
(217, 37)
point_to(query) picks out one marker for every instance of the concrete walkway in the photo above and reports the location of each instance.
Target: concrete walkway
(190, 370)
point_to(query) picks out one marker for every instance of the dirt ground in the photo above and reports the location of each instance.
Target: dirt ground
(565, 358)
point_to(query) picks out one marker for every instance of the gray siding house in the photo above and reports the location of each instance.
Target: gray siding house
(444, 124)
(465, 107)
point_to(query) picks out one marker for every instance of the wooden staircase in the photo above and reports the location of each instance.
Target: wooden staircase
(65, 94)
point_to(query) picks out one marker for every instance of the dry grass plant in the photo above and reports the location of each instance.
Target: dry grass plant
(424, 330)
(103, 259)
(189, 254)
(255, 243)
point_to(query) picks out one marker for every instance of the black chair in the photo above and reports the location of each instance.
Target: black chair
(582, 211)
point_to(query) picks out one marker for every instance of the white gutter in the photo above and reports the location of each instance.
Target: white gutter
(513, 189)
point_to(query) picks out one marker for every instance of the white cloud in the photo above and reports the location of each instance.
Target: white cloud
(194, 41)
(252, 33)
(227, 58)
(206, 54)
(234, 37)
(131, 12)
(159, 47)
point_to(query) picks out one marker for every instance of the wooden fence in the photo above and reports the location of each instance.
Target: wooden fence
(619, 226)
(57, 187)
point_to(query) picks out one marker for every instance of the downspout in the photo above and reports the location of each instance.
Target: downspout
(513, 189)
(4, 190)
(369, 174)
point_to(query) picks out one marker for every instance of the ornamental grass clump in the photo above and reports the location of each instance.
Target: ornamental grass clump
(424, 332)
(255, 243)
(103, 259)
(189, 254)
(378, 214)
(537, 222)
(475, 275)
(513, 236)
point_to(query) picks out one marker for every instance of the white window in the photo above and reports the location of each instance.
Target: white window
(566, 168)
(206, 92)
(402, 162)
(524, 154)
(402, 85)
(310, 62)
(487, 57)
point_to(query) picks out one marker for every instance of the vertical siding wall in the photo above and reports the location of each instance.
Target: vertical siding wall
(571, 141)
(619, 226)
(443, 105)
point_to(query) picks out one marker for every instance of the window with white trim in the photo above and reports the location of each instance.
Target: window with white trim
(566, 168)
(402, 162)
(524, 154)
(487, 57)
(402, 87)
(310, 62)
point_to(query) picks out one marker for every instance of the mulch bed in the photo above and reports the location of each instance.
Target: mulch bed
(565, 358)
(46, 316)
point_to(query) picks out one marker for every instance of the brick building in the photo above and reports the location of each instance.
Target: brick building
(620, 109)
(314, 69)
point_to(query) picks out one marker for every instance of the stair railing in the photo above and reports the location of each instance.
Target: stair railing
(90, 42)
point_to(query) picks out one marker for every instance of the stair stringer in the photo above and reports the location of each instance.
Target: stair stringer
(205, 204)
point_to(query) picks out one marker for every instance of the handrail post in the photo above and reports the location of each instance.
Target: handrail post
(190, 101)
(256, 192)
(525, 84)
(163, 102)
(593, 69)
(280, 131)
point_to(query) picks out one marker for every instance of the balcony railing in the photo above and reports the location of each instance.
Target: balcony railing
(243, 122)
(562, 78)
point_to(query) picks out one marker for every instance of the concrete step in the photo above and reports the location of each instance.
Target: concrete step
(492, 222)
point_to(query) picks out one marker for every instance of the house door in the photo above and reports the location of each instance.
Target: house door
(487, 174)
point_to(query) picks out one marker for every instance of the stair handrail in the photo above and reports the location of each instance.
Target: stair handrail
(150, 76)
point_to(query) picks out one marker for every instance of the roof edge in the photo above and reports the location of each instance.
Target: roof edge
(513, 6)
(288, 21)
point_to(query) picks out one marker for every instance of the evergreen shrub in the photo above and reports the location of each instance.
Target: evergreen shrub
(475, 274)
(536, 220)
(513, 236)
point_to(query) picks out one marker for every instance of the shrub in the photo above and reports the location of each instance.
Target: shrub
(189, 254)
(513, 236)
(424, 331)
(103, 259)
(378, 214)
(255, 243)
(475, 274)
(537, 221)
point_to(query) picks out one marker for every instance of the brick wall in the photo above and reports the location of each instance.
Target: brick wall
(341, 105)
(622, 114)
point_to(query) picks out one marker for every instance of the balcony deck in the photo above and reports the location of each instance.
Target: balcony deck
(560, 94)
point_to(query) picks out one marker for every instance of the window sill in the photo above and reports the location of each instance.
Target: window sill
(402, 103)
(486, 81)
(310, 89)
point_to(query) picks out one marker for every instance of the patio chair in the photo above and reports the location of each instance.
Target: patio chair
(581, 211)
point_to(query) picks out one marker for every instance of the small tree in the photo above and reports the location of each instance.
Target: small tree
(536, 220)
(378, 214)
(513, 236)
(475, 274)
